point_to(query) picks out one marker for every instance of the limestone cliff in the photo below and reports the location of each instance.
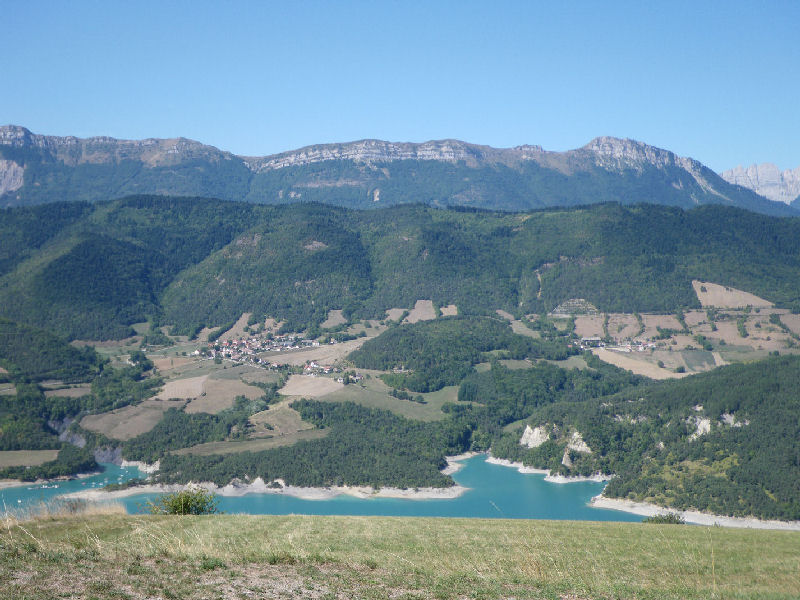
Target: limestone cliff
(766, 179)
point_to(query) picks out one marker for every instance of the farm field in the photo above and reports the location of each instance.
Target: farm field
(712, 294)
(234, 556)
(373, 393)
(75, 391)
(309, 386)
(26, 458)
(130, 421)
(423, 311)
(254, 445)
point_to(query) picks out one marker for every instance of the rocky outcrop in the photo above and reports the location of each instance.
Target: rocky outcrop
(766, 179)
(11, 176)
(534, 437)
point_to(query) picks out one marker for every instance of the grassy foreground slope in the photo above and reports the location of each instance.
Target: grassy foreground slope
(117, 556)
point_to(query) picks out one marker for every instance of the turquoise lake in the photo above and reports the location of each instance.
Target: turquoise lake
(495, 492)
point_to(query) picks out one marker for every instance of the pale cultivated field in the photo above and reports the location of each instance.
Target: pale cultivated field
(589, 326)
(253, 445)
(792, 322)
(622, 326)
(451, 310)
(325, 354)
(653, 322)
(219, 394)
(26, 458)
(725, 297)
(506, 315)
(729, 332)
(422, 311)
(3, 371)
(260, 376)
(694, 318)
(309, 386)
(71, 392)
(520, 328)
(7, 389)
(169, 363)
(191, 387)
(335, 317)
(284, 421)
(639, 366)
(393, 314)
(237, 330)
(373, 393)
(130, 421)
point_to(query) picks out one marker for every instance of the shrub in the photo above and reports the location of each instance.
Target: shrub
(666, 519)
(192, 501)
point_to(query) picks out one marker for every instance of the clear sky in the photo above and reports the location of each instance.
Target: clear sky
(717, 81)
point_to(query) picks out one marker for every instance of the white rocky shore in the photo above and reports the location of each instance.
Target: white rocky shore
(646, 509)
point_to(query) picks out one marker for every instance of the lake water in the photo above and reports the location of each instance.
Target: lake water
(495, 492)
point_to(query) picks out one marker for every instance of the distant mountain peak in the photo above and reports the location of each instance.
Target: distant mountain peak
(768, 180)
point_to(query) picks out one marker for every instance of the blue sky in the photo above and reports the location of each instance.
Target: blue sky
(718, 81)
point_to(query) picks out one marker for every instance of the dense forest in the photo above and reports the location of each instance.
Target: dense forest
(652, 438)
(91, 272)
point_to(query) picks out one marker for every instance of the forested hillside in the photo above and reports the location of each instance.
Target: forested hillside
(92, 271)
(724, 441)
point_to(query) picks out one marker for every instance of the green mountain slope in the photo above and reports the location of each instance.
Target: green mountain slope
(191, 263)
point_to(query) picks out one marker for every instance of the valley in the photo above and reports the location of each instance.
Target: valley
(313, 346)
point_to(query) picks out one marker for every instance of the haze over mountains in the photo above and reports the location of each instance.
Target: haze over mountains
(35, 169)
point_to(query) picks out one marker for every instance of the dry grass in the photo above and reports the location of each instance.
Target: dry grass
(8, 389)
(335, 317)
(423, 311)
(589, 326)
(71, 392)
(726, 297)
(219, 394)
(126, 423)
(451, 310)
(326, 354)
(309, 386)
(237, 330)
(253, 445)
(637, 364)
(26, 458)
(226, 557)
(393, 314)
(622, 326)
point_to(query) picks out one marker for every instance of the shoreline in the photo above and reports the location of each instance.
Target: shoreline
(695, 517)
(259, 486)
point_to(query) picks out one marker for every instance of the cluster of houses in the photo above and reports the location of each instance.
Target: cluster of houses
(248, 349)
(630, 346)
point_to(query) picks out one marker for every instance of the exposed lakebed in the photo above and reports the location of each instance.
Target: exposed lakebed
(494, 492)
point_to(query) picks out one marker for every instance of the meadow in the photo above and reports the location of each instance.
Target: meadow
(113, 556)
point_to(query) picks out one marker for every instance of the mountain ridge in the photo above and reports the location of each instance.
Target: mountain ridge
(36, 169)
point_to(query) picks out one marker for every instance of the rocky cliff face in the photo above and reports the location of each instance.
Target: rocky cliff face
(518, 178)
(766, 179)
(73, 151)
